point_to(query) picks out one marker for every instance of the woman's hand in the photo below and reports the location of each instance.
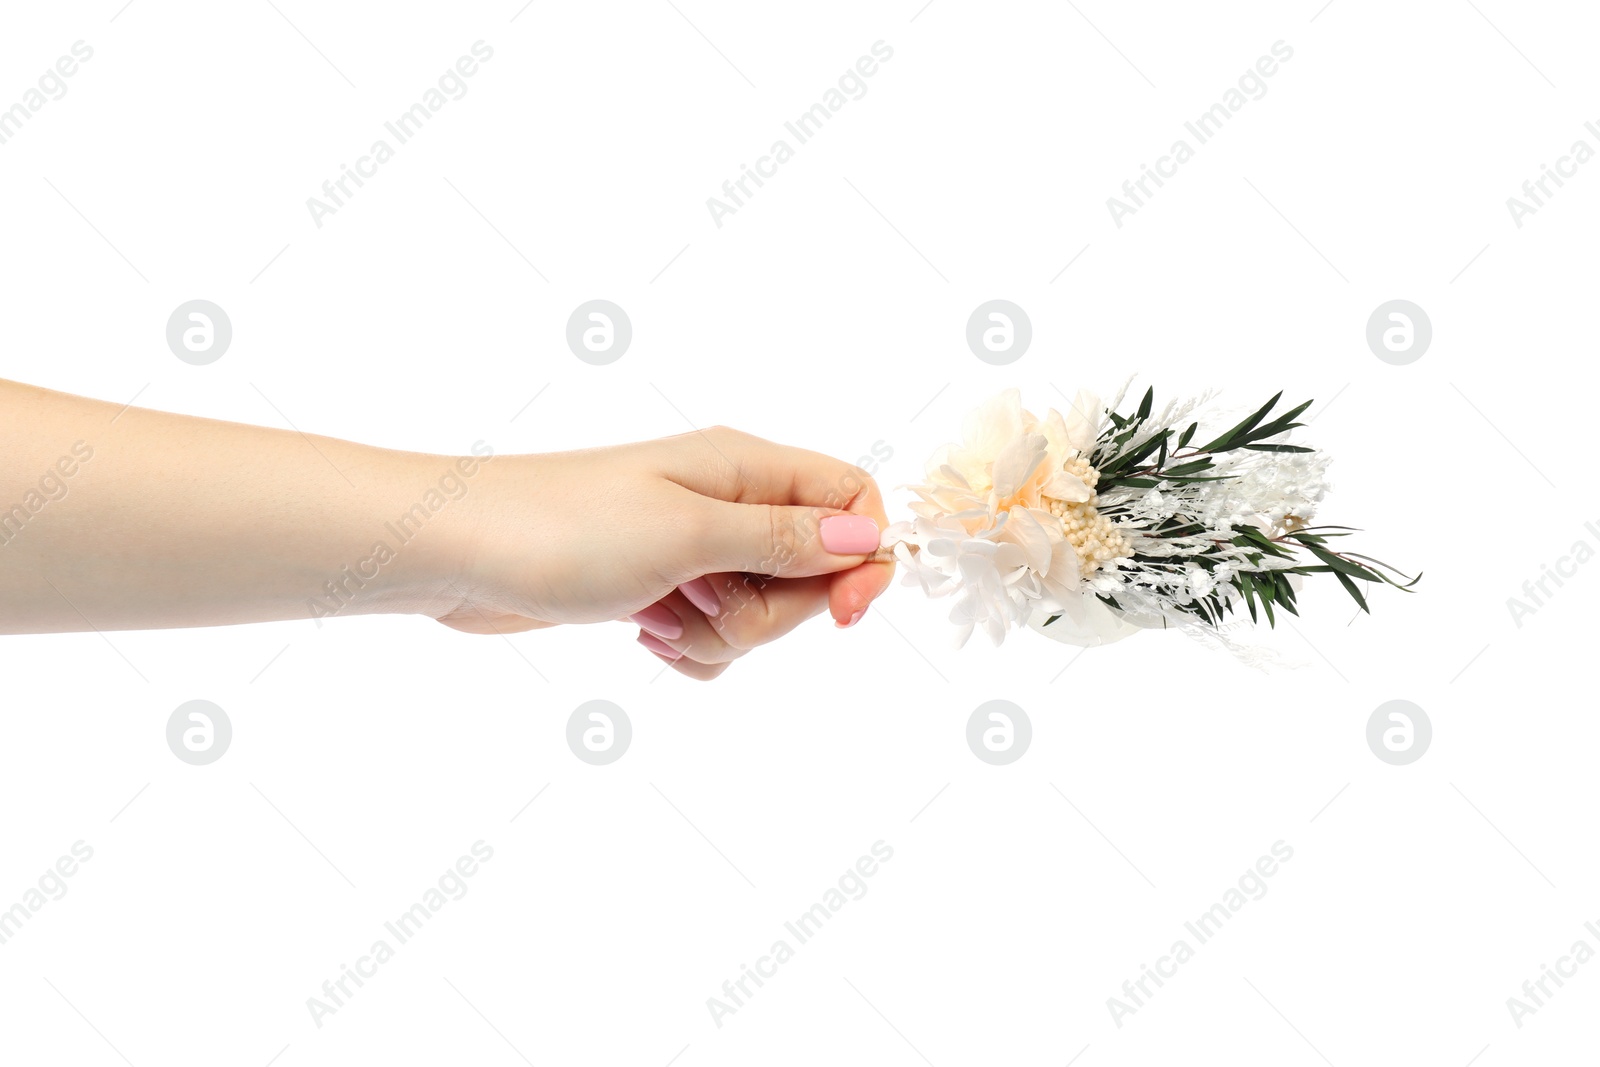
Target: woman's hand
(713, 542)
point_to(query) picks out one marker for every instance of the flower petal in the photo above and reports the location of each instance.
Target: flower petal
(1016, 462)
(1064, 486)
(997, 421)
(1083, 421)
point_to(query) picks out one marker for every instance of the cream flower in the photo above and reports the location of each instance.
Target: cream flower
(985, 530)
(1008, 457)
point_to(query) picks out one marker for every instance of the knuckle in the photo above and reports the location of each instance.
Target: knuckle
(718, 650)
(783, 540)
(736, 636)
(703, 651)
(853, 483)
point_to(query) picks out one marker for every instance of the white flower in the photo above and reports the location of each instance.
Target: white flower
(984, 532)
(999, 574)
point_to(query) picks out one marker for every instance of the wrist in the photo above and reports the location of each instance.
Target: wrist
(443, 520)
(413, 549)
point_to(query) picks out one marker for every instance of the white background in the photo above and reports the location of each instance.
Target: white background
(829, 312)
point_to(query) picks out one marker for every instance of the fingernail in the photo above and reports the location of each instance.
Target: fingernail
(659, 620)
(853, 619)
(849, 535)
(658, 646)
(699, 593)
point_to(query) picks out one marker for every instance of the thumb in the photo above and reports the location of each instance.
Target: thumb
(785, 541)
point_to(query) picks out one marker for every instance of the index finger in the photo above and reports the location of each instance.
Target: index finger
(739, 467)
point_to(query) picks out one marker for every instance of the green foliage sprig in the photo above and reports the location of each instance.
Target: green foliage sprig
(1129, 454)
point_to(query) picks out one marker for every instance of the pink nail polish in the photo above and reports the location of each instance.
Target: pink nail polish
(659, 620)
(853, 619)
(658, 646)
(849, 535)
(699, 593)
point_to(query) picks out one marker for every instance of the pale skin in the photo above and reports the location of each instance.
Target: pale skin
(117, 518)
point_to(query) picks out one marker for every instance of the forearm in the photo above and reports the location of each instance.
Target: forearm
(125, 519)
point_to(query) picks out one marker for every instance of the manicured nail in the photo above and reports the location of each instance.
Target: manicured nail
(658, 646)
(699, 593)
(853, 619)
(659, 620)
(849, 535)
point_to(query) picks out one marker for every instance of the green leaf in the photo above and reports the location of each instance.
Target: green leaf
(1343, 566)
(1285, 592)
(1137, 455)
(1243, 427)
(1386, 566)
(1248, 536)
(1278, 425)
(1351, 588)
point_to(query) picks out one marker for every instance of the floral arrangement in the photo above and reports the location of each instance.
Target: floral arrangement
(1092, 526)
